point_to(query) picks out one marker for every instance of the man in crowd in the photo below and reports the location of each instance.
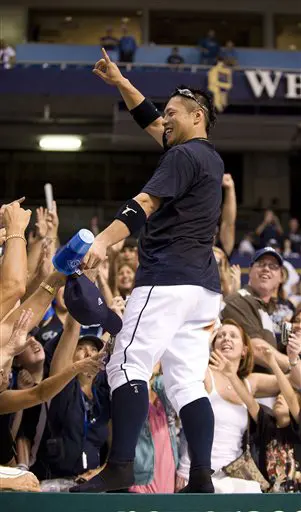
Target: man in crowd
(108, 41)
(209, 48)
(229, 54)
(270, 228)
(127, 46)
(175, 57)
(251, 307)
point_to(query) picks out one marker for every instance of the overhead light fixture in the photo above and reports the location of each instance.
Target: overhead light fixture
(60, 143)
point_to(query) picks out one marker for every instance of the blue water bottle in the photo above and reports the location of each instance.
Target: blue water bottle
(69, 257)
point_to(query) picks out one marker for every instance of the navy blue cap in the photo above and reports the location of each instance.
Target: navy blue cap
(86, 304)
(94, 339)
(264, 251)
(34, 332)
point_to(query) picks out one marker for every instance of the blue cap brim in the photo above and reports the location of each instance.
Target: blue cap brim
(267, 251)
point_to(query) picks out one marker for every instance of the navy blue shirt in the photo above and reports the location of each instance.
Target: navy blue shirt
(79, 431)
(127, 44)
(212, 46)
(175, 246)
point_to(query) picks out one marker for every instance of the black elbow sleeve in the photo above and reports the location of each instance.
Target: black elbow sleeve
(145, 113)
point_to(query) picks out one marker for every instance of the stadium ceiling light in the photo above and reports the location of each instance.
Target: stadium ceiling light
(60, 143)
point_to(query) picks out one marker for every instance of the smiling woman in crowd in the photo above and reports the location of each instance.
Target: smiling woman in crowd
(231, 414)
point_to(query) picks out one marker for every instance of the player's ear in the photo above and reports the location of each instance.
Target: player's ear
(198, 116)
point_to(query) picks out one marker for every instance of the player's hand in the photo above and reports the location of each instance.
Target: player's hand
(108, 70)
(96, 254)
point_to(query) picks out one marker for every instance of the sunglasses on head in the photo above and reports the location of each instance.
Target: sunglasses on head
(188, 94)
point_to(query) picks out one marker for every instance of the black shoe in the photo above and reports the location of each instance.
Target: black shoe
(199, 482)
(116, 475)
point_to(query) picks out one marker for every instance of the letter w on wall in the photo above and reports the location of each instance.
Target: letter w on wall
(261, 81)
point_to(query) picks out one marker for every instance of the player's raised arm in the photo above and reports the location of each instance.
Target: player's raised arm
(142, 109)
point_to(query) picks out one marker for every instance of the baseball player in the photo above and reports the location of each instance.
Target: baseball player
(176, 298)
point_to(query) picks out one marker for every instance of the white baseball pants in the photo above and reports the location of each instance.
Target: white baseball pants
(170, 324)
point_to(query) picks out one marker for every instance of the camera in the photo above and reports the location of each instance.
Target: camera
(286, 329)
(55, 449)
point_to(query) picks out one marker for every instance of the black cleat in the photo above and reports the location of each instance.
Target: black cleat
(199, 482)
(115, 476)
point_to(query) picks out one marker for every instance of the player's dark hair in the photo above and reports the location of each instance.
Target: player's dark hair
(203, 98)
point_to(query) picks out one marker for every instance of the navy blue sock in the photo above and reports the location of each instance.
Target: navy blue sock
(130, 404)
(198, 424)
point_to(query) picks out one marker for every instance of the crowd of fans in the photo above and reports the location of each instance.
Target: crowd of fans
(54, 397)
(271, 232)
(210, 50)
(126, 46)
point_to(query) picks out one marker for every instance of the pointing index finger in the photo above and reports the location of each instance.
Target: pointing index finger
(20, 201)
(106, 57)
